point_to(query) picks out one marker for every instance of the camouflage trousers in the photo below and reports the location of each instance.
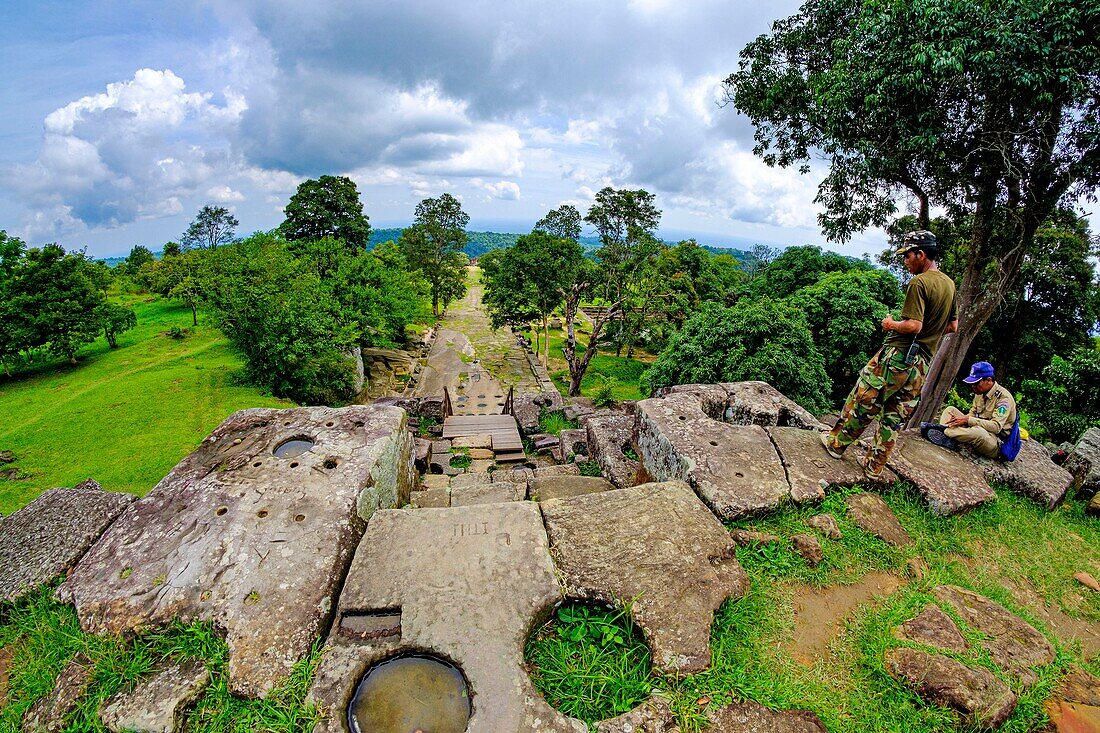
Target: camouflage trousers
(888, 389)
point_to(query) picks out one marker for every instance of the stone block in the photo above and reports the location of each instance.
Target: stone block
(1015, 645)
(934, 628)
(948, 482)
(49, 713)
(734, 468)
(255, 543)
(488, 580)
(487, 494)
(811, 472)
(748, 537)
(807, 546)
(976, 693)
(652, 716)
(434, 481)
(573, 442)
(826, 524)
(157, 704)
(440, 447)
(562, 487)
(45, 538)
(471, 479)
(480, 454)
(480, 465)
(564, 469)
(608, 437)
(423, 454)
(514, 475)
(432, 498)
(871, 514)
(1032, 474)
(602, 544)
(748, 716)
(1084, 463)
(750, 403)
(473, 441)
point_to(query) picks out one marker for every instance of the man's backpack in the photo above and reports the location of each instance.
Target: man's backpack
(1010, 446)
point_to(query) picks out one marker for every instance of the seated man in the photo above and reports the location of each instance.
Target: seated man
(991, 417)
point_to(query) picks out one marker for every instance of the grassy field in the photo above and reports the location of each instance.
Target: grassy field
(622, 372)
(123, 417)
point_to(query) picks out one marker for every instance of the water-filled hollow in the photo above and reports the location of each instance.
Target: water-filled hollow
(410, 693)
(293, 448)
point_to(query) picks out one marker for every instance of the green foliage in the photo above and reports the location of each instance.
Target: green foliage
(755, 339)
(427, 422)
(604, 396)
(433, 247)
(590, 663)
(214, 226)
(1065, 401)
(328, 206)
(590, 468)
(525, 282)
(460, 460)
(45, 635)
(843, 311)
(555, 421)
(115, 320)
(563, 222)
(799, 267)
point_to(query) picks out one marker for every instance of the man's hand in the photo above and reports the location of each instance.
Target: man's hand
(887, 323)
(959, 422)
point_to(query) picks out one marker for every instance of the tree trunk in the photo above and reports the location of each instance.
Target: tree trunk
(578, 366)
(545, 341)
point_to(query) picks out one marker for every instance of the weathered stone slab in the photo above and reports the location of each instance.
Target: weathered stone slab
(528, 407)
(652, 716)
(573, 442)
(49, 713)
(603, 545)
(826, 524)
(479, 442)
(1015, 645)
(608, 436)
(747, 537)
(423, 455)
(480, 454)
(46, 537)
(157, 704)
(1069, 717)
(1084, 463)
(434, 481)
(974, 692)
(544, 442)
(470, 479)
(810, 470)
(487, 493)
(933, 627)
(750, 403)
(515, 476)
(432, 498)
(1081, 687)
(752, 717)
(254, 543)
(480, 465)
(564, 469)
(1032, 474)
(486, 582)
(807, 546)
(948, 482)
(562, 487)
(440, 446)
(871, 514)
(734, 468)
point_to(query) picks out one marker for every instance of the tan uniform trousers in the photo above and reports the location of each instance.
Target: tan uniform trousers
(977, 439)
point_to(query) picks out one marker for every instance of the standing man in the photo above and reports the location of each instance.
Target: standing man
(889, 385)
(990, 419)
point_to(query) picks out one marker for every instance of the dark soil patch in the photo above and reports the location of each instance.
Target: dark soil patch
(820, 613)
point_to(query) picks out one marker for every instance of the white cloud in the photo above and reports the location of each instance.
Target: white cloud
(224, 194)
(502, 190)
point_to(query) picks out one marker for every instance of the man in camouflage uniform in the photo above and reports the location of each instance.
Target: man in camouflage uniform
(889, 385)
(991, 417)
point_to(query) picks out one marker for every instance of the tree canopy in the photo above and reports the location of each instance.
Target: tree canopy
(212, 227)
(433, 246)
(988, 111)
(328, 206)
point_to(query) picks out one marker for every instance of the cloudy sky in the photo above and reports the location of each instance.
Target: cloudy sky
(121, 119)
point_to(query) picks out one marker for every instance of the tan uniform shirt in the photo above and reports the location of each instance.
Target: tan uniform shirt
(995, 411)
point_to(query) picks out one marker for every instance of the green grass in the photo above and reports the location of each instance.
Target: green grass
(622, 372)
(46, 636)
(553, 422)
(1011, 539)
(123, 417)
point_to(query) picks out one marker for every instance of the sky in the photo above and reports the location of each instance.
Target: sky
(122, 119)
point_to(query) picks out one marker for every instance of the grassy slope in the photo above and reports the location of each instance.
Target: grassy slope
(124, 417)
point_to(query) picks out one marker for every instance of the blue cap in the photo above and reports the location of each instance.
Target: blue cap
(979, 371)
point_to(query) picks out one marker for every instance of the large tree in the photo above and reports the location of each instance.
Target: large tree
(988, 111)
(434, 246)
(212, 227)
(563, 222)
(328, 206)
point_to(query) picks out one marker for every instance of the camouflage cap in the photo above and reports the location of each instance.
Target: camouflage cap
(922, 238)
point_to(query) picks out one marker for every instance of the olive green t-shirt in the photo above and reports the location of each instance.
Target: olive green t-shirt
(930, 299)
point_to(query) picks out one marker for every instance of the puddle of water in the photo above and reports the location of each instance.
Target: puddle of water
(292, 448)
(410, 694)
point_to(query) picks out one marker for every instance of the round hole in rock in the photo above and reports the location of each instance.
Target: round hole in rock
(257, 464)
(410, 693)
(331, 462)
(714, 442)
(294, 464)
(299, 517)
(683, 417)
(589, 661)
(739, 475)
(293, 448)
(329, 424)
(220, 511)
(262, 513)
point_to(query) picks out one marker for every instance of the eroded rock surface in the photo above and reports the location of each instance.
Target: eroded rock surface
(826, 524)
(810, 470)
(157, 704)
(1084, 463)
(948, 482)
(808, 547)
(871, 514)
(254, 543)
(1015, 645)
(562, 487)
(734, 468)
(1032, 474)
(608, 436)
(487, 493)
(652, 716)
(486, 581)
(933, 627)
(46, 537)
(974, 692)
(603, 545)
(750, 403)
(49, 713)
(752, 717)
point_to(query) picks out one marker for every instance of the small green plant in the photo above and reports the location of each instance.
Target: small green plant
(460, 460)
(175, 332)
(589, 662)
(630, 453)
(425, 426)
(590, 468)
(555, 421)
(604, 396)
